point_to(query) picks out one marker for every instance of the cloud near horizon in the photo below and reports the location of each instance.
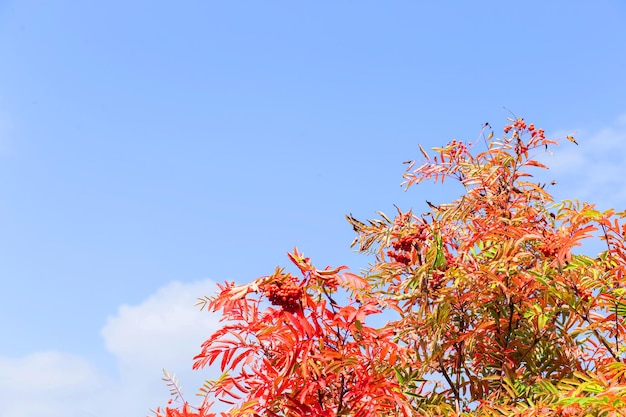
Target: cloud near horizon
(164, 331)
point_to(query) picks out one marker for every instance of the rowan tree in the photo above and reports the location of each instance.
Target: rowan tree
(492, 310)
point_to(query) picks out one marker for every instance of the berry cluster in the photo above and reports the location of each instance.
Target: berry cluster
(405, 243)
(400, 257)
(460, 147)
(436, 280)
(450, 259)
(404, 246)
(285, 292)
(520, 126)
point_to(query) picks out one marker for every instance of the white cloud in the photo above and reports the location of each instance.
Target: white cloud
(595, 170)
(45, 383)
(164, 331)
(142, 335)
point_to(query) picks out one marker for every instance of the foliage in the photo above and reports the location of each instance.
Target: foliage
(491, 312)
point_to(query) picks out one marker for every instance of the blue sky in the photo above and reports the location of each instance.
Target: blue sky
(149, 149)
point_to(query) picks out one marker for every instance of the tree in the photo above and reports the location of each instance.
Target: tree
(491, 311)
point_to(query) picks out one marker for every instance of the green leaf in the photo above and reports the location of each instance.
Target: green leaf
(440, 257)
(358, 325)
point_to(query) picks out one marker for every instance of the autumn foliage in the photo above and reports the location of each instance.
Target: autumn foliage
(489, 308)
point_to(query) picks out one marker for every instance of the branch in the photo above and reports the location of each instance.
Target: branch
(457, 398)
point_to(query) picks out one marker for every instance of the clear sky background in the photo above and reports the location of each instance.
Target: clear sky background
(149, 149)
